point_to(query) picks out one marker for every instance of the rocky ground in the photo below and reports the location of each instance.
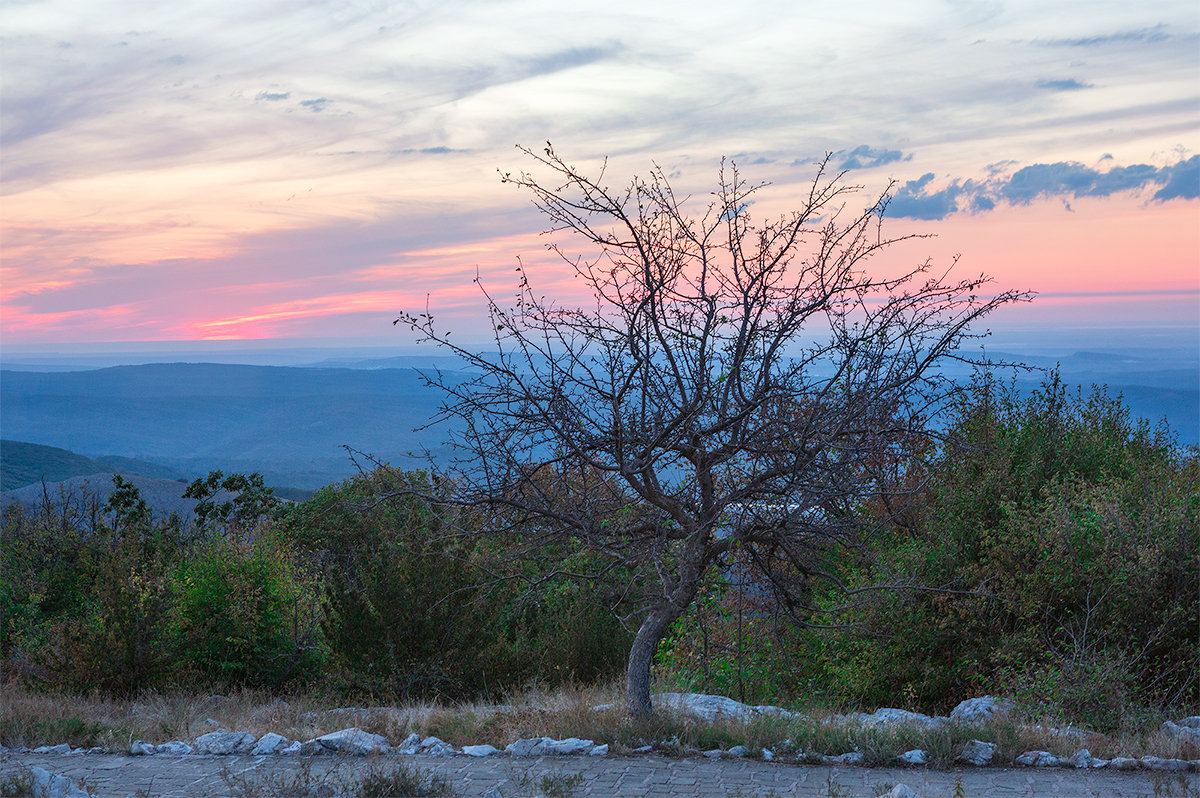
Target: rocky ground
(226, 762)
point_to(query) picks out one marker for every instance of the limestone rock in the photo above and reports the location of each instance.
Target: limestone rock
(292, 750)
(410, 744)
(977, 753)
(737, 751)
(1039, 759)
(435, 746)
(223, 743)
(980, 710)
(52, 785)
(270, 743)
(173, 748)
(524, 747)
(1083, 759)
(139, 748)
(901, 791)
(1187, 729)
(852, 758)
(888, 716)
(768, 754)
(1170, 765)
(914, 757)
(479, 750)
(600, 750)
(1124, 763)
(713, 753)
(571, 745)
(353, 741)
(711, 707)
(61, 748)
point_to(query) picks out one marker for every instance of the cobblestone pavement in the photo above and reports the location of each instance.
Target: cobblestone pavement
(113, 776)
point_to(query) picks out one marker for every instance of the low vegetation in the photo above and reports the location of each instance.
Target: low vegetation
(1060, 539)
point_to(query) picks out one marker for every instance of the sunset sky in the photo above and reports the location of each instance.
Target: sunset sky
(278, 170)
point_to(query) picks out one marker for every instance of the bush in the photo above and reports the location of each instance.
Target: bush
(245, 612)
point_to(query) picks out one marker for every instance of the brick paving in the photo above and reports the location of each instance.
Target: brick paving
(115, 776)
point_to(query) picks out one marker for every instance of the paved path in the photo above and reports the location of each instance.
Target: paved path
(113, 776)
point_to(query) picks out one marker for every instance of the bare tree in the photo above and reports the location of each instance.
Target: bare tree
(736, 385)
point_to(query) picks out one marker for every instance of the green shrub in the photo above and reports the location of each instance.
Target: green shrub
(245, 612)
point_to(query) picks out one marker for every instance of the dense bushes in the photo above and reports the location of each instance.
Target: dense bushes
(1061, 540)
(362, 586)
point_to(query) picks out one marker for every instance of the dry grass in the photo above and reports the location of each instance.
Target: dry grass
(30, 719)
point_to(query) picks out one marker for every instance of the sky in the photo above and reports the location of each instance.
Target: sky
(284, 170)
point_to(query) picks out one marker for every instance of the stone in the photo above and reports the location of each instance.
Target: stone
(173, 748)
(711, 707)
(270, 743)
(914, 757)
(737, 751)
(61, 748)
(1183, 729)
(434, 746)
(525, 746)
(479, 750)
(643, 749)
(600, 750)
(1083, 759)
(223, 743)
(1169, 765)
(311, 748)
(980, 710)
(410, 744)
(353, 741)
(52, 785)
(571, 745)
(889, 716)
(1039, 759)
(977, 753)
(603, 708)
(139, 748)
(852, 758)
(901, 791)
(768, 754)
(713, 753)
(292, 750)
(1124, 763)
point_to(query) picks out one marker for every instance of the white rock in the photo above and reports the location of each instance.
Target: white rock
(852, 758)
(600, 750)
(602, 708)
(979, 710)
(479, 750)
(643, 749)
(571, 745)
(139, 748)
(713, 753)
(524, 747)
(270, 743)
(711, 707)
(1124, 763)
(1081, 759)
(61, 748)
(1183, 729)
(223, 742)
(1039, 759)
(1171, 765)
(410, 744)
(353, 741)
(737, 751)
(888, 716)
(768, 754)
(52, 785)
(293, 749)
(174, 748)
(914, 757)
(977, 753)
(901, 791)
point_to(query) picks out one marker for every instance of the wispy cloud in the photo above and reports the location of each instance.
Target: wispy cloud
(1064, 84)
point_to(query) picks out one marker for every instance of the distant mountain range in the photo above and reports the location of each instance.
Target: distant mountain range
(181, 420)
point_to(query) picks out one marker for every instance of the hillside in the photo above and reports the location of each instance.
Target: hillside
(288, 423)
(24, 464)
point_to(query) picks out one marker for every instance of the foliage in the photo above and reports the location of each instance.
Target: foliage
(246, 499)
(412, 607)
(246, 611)
(1064, 537)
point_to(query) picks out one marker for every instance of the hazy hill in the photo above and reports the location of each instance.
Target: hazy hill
(164, 496)
(26, 463)
(287, 422)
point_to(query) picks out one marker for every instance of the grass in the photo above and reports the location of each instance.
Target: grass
(29, 718)
(381, 780)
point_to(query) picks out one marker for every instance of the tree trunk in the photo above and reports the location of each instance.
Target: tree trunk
(641, 654)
